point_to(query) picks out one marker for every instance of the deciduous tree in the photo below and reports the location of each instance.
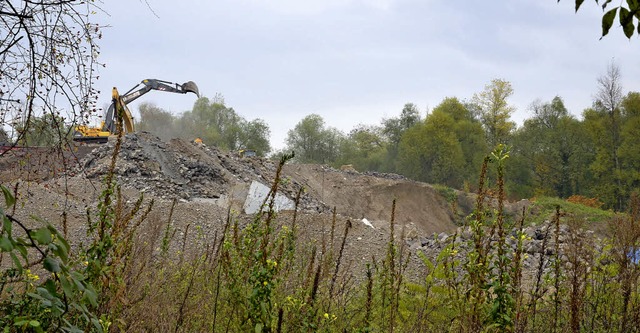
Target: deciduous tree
(394, 128)
(549, 151)
(469, 134)
(47, 130)
(255, 136)
(494, 111)
(364, 148)
(604, 121)
(219, 125)
(430, 151)
(629, 151)
(313, 142)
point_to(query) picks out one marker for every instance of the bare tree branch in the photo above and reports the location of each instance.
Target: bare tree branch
(48, 62)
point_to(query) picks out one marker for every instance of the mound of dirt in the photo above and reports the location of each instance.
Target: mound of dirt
(40, 163)
(361, 196)
(207, 183)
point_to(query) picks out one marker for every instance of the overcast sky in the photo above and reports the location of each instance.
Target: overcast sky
(358, 61)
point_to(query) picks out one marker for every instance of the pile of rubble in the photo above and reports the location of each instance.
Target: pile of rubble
(149, 165)
(186, 170)
(538, 244)
(392, 176)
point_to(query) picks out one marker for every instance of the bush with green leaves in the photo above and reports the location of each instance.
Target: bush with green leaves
(59, 296)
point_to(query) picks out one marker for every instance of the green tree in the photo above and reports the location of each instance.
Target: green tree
(431, 152)
(190, 127)
(549, 152)
(394, 128)
(629, 152)
(604, 121)
(219, 125)
(469, 134)
(364, 148)
(628, 14)
(605, 177)
(313, 142)
(47, 130)
(214, 123)
(494, 111)
(255, 136)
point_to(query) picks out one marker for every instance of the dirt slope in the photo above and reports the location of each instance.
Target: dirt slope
(362, 196)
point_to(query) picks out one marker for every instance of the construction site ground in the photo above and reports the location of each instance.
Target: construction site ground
(61, 186)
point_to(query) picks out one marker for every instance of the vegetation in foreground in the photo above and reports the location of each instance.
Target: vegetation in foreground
(258, 278)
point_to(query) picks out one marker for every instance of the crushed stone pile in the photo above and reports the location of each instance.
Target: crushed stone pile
(185, 170)
(538, 244)
(149, 165)
(391, 176)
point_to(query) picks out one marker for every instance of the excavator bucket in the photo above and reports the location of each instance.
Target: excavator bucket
(191, 87)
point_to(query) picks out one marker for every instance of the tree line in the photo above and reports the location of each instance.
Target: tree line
(211, 121)
(553, 153)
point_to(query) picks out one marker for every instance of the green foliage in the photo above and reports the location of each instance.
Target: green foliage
(431, 151)
(548, 155)
(47, 130)
(213, 122)
(599, 125)
(628, 14)
(469, 133)
(313, 142)
(447, 193)
(394, 128)
(364, 148)
(254, 135)
(609, 125)
(629, 151)
(62, 301)
(494, 112)
(551, 149)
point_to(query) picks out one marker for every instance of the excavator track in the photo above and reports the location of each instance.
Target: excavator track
(91, 139)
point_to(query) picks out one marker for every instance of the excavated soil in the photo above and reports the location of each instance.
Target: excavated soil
(206, 184)
(194, 188)
(418, 206)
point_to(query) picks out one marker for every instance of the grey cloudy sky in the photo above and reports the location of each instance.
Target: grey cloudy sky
(358, 61)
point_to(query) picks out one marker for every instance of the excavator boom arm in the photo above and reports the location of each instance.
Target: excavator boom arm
(121, 107)
(153, 84)
(136, 92)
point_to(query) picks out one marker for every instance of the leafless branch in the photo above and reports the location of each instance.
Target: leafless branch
(48, 62)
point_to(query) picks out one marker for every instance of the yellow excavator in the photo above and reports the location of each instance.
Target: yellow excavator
(108, 127)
